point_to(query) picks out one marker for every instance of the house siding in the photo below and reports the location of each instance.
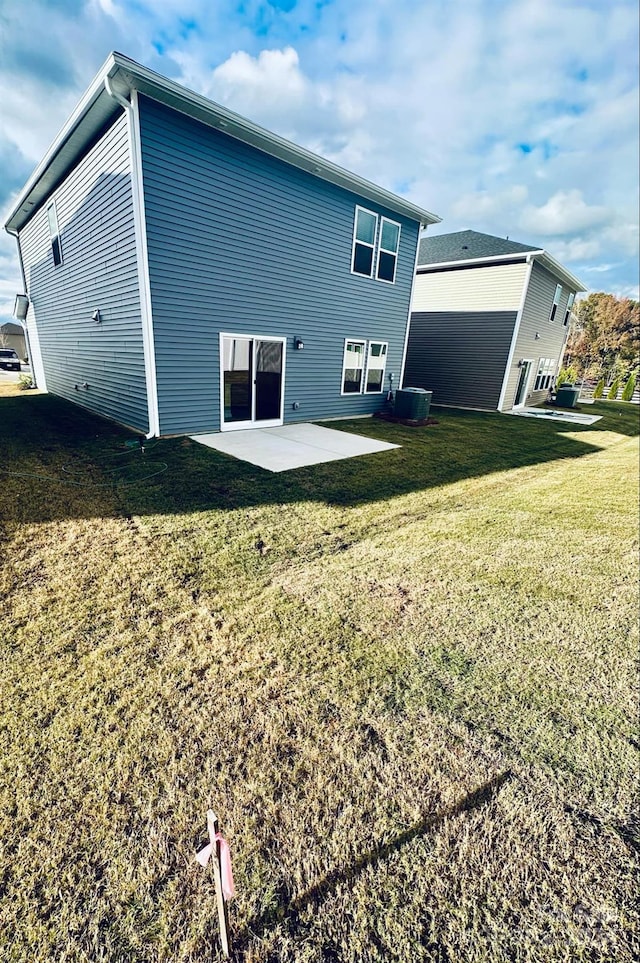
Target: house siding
(459, 355)
(535, 320)
(95, 218)
(490, 288)
(241, 242)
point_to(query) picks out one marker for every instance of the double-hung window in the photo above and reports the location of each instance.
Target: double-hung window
(571, 299)
(556, 302)
(376, 363)
(363, 367)
(364, 242)
(546, 369)
(54, 234)
(388, 250)
(353, 367)
(375, 251)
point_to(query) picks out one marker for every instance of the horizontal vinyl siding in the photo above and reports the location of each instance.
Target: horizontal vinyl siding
(99, 270)
(461, 357)
(535, 320)
(243, 243)
(495, 288)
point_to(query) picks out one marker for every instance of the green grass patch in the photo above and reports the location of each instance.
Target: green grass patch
(405, 681)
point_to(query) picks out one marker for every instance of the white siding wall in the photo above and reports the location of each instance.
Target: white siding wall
(497, 288)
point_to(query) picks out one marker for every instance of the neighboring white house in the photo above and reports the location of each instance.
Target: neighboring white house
(489, 321)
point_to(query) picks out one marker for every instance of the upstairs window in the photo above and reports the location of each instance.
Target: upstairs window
(364, 242)
(556, 302)
(572, 297)
(388, 250)
(376, 363)
(54, 234)
(353, 367)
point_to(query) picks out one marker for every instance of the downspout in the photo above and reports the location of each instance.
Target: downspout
(516, 328)
(133, 129)
(24, 323)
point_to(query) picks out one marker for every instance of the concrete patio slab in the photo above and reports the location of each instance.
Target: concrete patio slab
(572, 418)
(291, 446)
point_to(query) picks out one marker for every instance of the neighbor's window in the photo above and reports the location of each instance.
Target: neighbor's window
(364, 242)
(556, 302)
(353, 367)
(388, 250)
(54, 234)
(572, 297)
(376, 362)
(546, 369)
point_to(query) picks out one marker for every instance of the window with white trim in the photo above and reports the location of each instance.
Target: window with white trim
(571, 299)
(556, 302)
(388, 250)
(365, 229)
(376, 363)
(54, 234)
(546, 371)
(353, 367)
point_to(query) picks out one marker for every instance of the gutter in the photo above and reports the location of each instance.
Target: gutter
(24, 323)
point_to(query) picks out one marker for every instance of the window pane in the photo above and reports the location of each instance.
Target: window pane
(352, 380)
(366, 227)
(57, 252)
(53, 220)
(376, 349)
(386, 266)
(374, 379)
(363, 259)
(390, 236)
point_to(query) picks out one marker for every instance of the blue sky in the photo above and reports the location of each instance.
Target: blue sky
(514, 117)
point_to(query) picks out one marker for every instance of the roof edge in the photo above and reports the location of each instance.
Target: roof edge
(131, 75)
(536, 254)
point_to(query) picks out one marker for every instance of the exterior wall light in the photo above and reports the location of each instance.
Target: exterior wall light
(21, 307)
(96, 316)
(298, 344)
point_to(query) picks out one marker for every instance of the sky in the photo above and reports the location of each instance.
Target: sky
(514, 117)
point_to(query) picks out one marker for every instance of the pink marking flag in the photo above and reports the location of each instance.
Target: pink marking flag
(205, 855)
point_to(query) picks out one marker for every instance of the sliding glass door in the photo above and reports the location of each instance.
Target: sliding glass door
(252, 381)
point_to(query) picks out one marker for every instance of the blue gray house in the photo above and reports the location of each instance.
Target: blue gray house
(489, 321)
(189, 271)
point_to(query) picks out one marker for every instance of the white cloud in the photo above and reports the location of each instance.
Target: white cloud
(564, 213)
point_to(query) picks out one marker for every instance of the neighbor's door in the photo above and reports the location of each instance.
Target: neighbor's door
(523, 381)
(252, 381)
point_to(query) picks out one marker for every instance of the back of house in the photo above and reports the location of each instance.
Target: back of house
(189, 271)
(489, 321)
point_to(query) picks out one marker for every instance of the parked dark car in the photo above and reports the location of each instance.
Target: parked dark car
(9, 359)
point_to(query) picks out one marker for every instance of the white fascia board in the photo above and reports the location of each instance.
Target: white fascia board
(125, 76)
(73, 138)
(550, 263)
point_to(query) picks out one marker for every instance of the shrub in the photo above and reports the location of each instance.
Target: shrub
(599, 389)
(613, 390)
(629, 388)
(24, 383)
(567, 376)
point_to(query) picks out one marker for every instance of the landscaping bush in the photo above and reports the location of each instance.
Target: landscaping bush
(599, 389)
(629, 388)
(24, 383)
(613, 390)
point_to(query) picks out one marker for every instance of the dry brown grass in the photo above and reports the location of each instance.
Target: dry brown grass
(415, 714)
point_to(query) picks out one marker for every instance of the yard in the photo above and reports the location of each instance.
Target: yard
(405, 682)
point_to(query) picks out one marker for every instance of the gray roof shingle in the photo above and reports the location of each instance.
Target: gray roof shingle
(467, 246)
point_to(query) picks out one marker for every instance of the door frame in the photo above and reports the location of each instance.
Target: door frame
(531, 363)
(244, 425)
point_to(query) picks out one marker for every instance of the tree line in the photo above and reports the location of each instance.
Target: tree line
(604, 340)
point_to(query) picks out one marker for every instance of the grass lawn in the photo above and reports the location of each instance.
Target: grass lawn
(405, 682)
